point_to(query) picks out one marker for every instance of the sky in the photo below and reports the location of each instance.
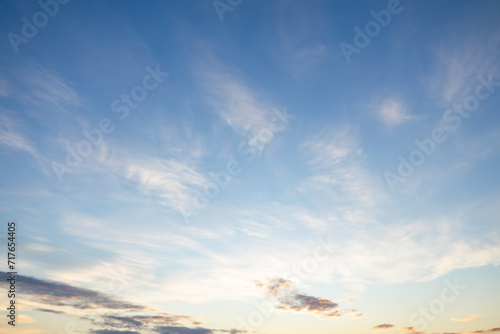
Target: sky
(238, 166)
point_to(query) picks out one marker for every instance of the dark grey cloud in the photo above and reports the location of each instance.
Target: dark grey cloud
(120, 317)
(383, 326)
(119, 321)
(491, 330)
(414, 331)
(197, 330)
(136, 321)
(408, 329)
(48, 310)
(152, 324)
(275, 285)
(285, 297)
(112, 331)
(182, 330)
(61, 294)
(301, 302)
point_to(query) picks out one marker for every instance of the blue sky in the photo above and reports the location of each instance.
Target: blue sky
(251, 166)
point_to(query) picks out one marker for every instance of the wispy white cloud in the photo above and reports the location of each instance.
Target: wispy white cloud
(248, 110)
(167, 173)
(445, 167)
(302, 60)
(47, 87)
(332, 147)
(12, 137)
(4, 87)
(416, 251)
(392, 112)
(460, 60)
(336, 159)
(312, 222)
(255, 229)
(240, 107)
(172, 182)
(297, 47)
(470, 150)
(196, 272)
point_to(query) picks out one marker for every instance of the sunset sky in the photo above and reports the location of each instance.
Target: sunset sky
(251, 166)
